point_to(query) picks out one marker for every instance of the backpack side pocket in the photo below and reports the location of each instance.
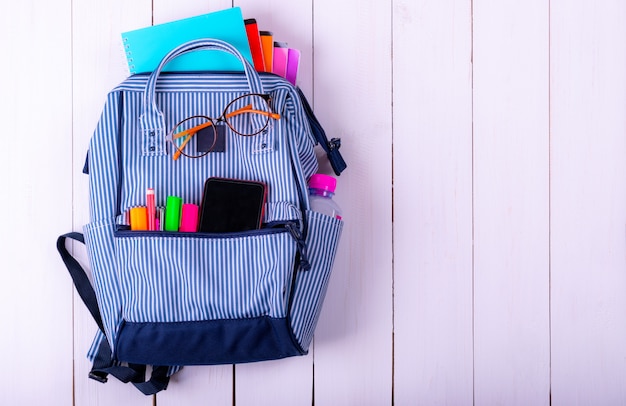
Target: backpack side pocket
(310, 288)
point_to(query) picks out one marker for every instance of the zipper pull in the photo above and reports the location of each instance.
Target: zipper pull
(297, 235)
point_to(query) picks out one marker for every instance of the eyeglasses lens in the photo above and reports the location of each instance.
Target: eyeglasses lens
(194, 137)
(248, 115)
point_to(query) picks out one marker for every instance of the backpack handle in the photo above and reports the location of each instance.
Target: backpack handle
(152, 120)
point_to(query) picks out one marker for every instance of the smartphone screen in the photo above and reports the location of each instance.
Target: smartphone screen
(230, 205)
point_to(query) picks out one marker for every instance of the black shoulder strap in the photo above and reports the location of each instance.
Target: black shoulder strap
(330, 147)
(81, 281)
(103, 363)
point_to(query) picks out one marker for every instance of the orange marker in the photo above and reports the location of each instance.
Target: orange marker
(267, 43)
(138, 219)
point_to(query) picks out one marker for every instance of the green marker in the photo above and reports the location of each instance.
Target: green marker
(173, 207)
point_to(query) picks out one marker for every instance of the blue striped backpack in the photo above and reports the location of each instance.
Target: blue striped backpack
(169, 299)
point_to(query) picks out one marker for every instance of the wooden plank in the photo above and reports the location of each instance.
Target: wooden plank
(432, 205)
(511, 202)
(36, 184)
(588, 254)
(352, 99)
(99, 65)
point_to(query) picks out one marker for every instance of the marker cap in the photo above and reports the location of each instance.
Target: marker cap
(189, 219)
(138, 219)
(172, 213)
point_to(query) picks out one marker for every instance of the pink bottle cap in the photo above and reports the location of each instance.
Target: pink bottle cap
(323, 182)
(189, 218)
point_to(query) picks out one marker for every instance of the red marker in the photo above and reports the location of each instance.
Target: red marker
(254, 40)
(150, 201)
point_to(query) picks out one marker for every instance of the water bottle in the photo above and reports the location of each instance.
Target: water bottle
(321, 192)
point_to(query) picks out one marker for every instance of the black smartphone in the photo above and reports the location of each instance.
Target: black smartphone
(230, 205)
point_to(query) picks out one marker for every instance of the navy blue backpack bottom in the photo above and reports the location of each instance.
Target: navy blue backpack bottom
(206, 342)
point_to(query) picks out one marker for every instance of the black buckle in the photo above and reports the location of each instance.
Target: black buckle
(98, 376)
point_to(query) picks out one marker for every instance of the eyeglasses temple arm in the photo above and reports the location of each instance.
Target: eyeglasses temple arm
(193, 130)
(249, 109)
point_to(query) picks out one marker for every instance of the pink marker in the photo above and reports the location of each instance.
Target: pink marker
(189, 218)
(281, 53)
(293, 61)
(150, 202)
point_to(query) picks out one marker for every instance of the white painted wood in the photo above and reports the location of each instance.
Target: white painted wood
(164, 11)
(352, 99)
(588, 202)
(199, 385)
(432, 190)
(511, 195)
(280, 382)
(36, 184)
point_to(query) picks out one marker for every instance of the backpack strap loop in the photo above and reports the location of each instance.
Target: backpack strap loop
(152, 119)
(330, 147)
(103, 366)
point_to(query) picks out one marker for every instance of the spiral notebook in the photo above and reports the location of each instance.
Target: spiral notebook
(146, 47)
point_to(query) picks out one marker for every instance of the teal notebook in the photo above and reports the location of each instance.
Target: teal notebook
(146, 47)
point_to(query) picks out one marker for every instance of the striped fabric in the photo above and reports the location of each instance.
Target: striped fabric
(160, 278)
(191, 278)
(322, 241)
(245, 157)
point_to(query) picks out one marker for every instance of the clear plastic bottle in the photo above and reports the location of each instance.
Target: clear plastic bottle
(321, 192)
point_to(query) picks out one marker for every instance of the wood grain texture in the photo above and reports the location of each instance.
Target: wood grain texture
(352, 99)
(432, 190)
(511, 202)
(588, 202)
(36, 184)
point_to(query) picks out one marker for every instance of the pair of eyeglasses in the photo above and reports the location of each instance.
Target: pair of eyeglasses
(246, 115)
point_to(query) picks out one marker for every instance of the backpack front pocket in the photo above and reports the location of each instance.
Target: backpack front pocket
(205, 298)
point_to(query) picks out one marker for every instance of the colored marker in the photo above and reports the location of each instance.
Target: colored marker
(150, 201)
(281, 52)
(254, 40)
(138, 219)
(267, 44)
(160, 218)
(293, 62)
(172, 213)
(189, 219)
